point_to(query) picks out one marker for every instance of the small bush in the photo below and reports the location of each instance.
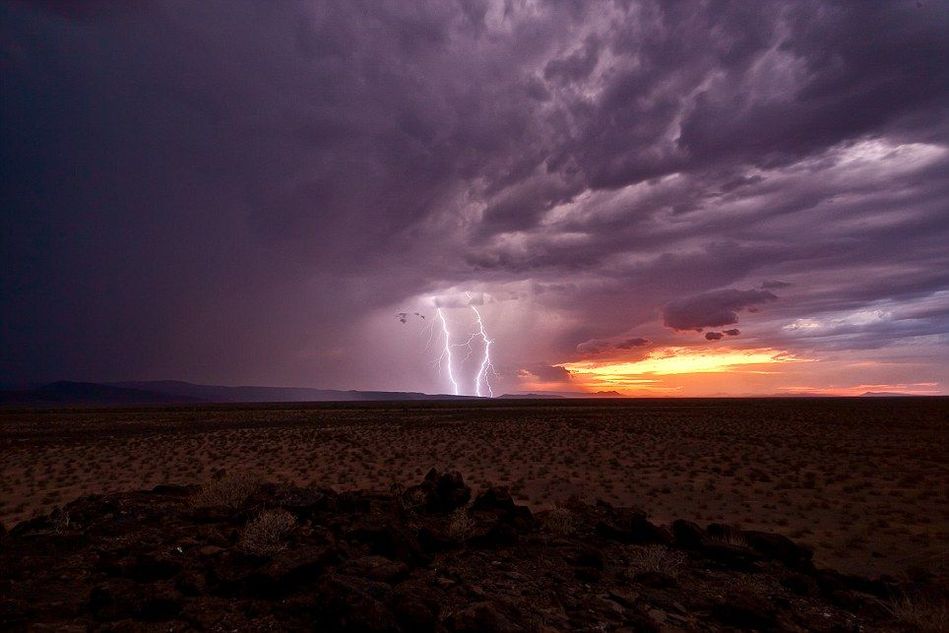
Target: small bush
(264, 533)
(657, 558)
(927, 615)
(230, 492)
(413, 499)
(460, 524)
(560, 521)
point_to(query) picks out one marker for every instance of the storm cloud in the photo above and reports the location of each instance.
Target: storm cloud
(712, 309)
(246, 191)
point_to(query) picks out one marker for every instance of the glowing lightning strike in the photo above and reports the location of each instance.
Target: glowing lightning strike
(446, 354)
(485, 360)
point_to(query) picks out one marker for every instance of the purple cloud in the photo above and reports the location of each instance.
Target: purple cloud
(712, 309)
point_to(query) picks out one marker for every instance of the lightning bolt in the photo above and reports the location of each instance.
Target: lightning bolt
(485, 360)
(446, 353)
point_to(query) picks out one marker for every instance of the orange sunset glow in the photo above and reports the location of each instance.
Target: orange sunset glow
(646, 375)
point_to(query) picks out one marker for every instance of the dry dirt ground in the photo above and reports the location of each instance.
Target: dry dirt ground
(865, 482)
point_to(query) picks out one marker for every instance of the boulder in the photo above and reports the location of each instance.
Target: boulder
(687, 534)
(439, 493)
(781, 548)
(390, 540)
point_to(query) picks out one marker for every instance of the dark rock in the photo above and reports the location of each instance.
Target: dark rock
(343, 605)
(633, 527)
(436, 540)
(588, 556)
(494, 499)
(390, 540)
(170, 490)
(122, 598)
(745, 611)
(733, 557)
(781, 548)
(800, 584)
(687, 534)
(375, 568)
(723, 532)
(496, 534)
(480, 617)
(415, 609)
(450, 491)
(152, 567)
(831, 581)
(655, 579)
(438, 493)
(291, 570)
(304, 503)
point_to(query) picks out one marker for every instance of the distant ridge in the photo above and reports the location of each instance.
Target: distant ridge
(885, 394)
(66, 392)
(530, 396)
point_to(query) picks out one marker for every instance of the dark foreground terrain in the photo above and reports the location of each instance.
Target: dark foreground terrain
(234, 555)
(862, 481)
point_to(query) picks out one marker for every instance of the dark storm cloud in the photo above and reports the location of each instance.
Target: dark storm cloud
(711, 309)
(547, 373)
(219, 190)
(598, 346)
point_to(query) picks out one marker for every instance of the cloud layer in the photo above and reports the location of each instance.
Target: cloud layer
(248, 191)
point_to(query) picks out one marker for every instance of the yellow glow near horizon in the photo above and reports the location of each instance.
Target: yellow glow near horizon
(674, 360)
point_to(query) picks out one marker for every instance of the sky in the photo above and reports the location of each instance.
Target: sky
(652, 198)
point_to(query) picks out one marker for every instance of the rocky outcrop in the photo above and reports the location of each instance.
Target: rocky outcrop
(426, 559)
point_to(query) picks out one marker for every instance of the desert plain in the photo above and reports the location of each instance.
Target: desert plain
(863, 481)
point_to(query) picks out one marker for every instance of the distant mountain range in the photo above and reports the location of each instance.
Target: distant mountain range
(158, 392)
(177, 392)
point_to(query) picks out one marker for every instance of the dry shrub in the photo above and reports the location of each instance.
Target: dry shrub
(560, 521)
(460, 524)
(734, 539)
(413, 499)
(929, 615)
(230, 492)
(657, 558)
(264, 533)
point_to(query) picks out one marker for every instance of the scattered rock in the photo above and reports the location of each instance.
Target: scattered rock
(481, 617)
(372, 562)
(745, 611)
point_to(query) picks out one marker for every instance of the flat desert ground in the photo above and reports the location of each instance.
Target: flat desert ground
(864, 481)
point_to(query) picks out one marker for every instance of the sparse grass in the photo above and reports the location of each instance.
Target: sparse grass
(928, 615)
(734, 539)
(263, 535)
(230, 492)
(561, 521)
(657, 558)
(460, 524)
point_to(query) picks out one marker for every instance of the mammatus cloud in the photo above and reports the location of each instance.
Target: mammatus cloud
(712, 309)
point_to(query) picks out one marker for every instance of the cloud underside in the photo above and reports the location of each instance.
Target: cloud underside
(246, 181)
